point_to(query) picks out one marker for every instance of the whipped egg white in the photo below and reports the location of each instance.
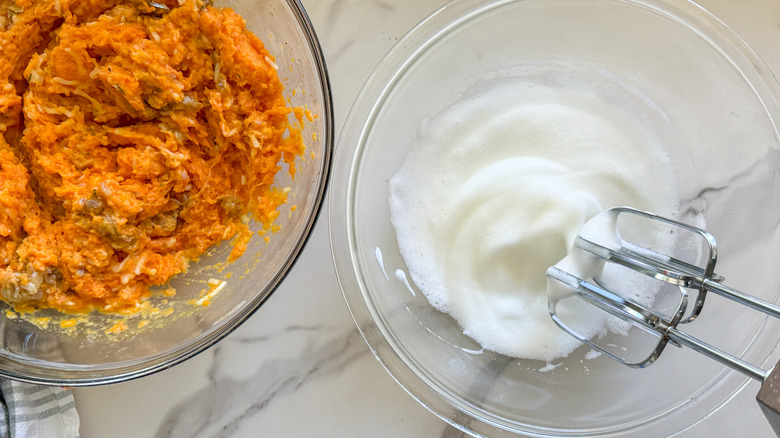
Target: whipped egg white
(494, 191)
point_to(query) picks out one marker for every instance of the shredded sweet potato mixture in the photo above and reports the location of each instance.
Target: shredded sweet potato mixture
(135, 135)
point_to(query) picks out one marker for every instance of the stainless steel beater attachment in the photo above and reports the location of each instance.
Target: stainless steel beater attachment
(691, 271)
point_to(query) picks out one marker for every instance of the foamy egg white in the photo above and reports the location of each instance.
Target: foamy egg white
(494, 192)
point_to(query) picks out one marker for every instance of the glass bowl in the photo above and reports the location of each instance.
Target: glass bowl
(52, 348)
(695, 84)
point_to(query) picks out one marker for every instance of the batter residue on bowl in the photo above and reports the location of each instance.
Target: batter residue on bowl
(135, 135)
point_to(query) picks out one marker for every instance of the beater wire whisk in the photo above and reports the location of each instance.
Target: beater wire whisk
(605, 278)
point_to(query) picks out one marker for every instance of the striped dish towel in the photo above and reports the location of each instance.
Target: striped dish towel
(34, 411)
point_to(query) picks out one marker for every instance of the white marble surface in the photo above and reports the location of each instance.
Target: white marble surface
(299, 367)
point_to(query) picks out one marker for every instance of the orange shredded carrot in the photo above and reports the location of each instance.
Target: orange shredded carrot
(134, 138)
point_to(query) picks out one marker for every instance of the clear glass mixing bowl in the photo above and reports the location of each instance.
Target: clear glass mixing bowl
(51, 348)
(689, 78)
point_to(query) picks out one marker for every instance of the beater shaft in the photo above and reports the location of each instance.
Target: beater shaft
(600, 238)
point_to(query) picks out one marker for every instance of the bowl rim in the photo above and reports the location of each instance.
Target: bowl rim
(104, 374)
(351, 147)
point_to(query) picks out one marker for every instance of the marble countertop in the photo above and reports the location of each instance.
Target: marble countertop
(299, 367)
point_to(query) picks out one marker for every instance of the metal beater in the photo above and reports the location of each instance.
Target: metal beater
(690, 276)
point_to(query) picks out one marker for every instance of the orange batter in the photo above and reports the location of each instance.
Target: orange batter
(135, 135)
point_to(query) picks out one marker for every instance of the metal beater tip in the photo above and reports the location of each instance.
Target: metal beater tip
(601, 238)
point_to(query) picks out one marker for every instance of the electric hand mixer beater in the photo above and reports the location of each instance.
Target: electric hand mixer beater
(686, 278)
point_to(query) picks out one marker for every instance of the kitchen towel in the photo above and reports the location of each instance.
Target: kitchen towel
(34, 411)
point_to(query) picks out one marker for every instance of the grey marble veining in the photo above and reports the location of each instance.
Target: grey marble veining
(219, 408)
